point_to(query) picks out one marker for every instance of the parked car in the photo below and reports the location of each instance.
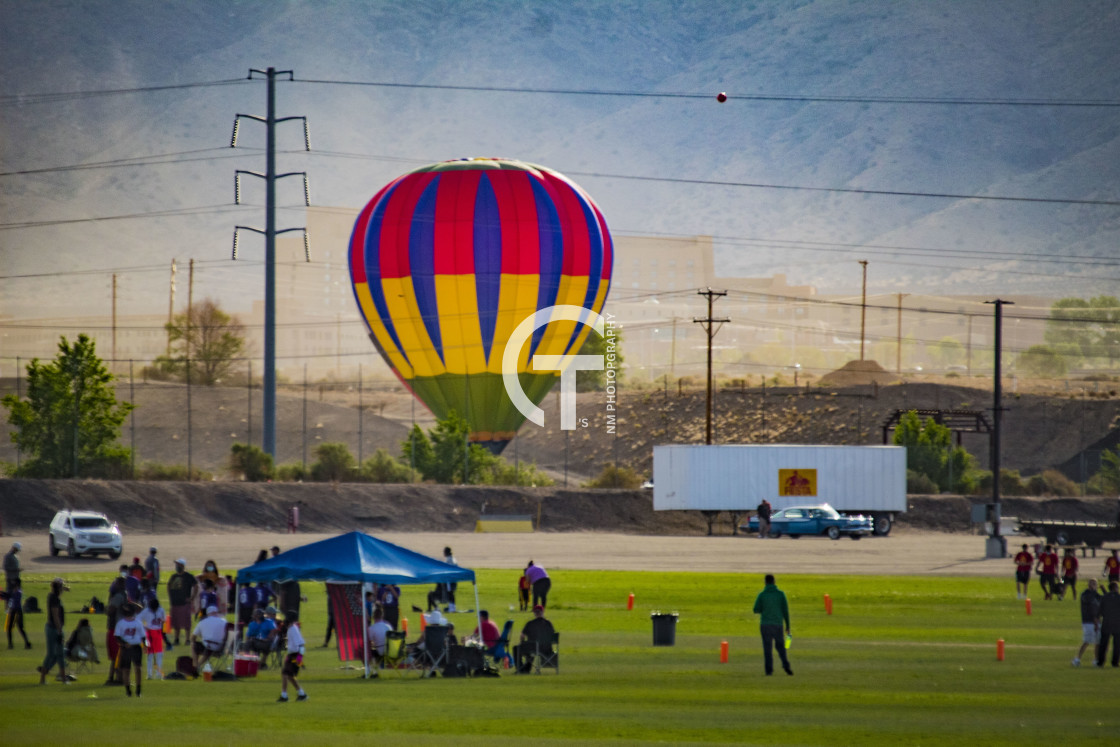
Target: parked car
(82, 532)
(816, 520)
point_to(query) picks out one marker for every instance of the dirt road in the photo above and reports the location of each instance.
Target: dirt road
(904, 552)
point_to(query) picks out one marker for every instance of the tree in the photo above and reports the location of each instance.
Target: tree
(1042, 362)
(383, 467)
(445, 455)
(251, 462)
(929, 452)
(1086, 328)
(609, 346)
(335, 463)
(209, 338)
(70, 420)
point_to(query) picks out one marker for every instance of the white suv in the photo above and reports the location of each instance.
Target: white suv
(79, 532)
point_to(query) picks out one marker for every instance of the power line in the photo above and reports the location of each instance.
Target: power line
(20, 99)
(152, 160)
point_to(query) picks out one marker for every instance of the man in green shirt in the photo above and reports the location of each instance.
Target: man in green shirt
(771, 605)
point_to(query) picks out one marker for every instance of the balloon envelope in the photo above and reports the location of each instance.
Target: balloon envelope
(447, 260)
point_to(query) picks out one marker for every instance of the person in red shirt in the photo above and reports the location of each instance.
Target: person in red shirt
(523, 591)
(1112, 568)
(1047, 570)
(491, 637)
(1023, 561)
(1069, 574)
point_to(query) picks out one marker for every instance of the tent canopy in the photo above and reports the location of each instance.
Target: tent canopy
(354, 557)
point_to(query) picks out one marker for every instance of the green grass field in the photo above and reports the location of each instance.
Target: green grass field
(900, 661)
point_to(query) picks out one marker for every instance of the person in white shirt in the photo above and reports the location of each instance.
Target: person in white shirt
(130, 637)
(209, 636)
(294, 659)
(376, 633)
(152, 618)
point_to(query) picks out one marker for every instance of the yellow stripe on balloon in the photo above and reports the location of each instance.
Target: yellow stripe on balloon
(381, 332)
(459, 328)
(400, 299)
(557, 335)
(517, 299)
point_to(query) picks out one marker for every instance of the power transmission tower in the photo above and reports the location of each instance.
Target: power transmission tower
(710, 328)
(270, 176)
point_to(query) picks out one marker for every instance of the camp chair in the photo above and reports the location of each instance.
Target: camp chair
(501, 649)
(223, 659)
(544, 653)
(434, 654)
(396, 654)
(83, 653)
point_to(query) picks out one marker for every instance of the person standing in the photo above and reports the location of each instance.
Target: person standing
(182, 590)
(152, 618)
(11, 566)
(1111, 570)
(130, 641)
(523, 591)
(451, 586)
(389, 599)
(1023, 561)
(1110, 625)
(764, 519)
(56, 624)
(1069, 574)
(1047, 570)
(151, 568)
(541, 583)
(773, 609)
(294, 659)
(14, 617)
(1090, 620)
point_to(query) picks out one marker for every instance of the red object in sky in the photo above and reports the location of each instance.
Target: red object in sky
(721, 97)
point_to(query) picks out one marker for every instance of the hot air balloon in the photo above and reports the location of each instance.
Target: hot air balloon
(447, 260)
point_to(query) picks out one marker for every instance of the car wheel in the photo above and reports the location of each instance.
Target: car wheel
(882, 525)
(775, 533)
(794, 536)
(1062, 537)
(70, 549)
(833, 533)
(54, 547)
(115, 554)
(856, 537)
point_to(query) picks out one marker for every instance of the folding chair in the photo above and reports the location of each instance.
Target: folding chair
(547, 654)
(224, 657)
(435, 649)
(396, 652)
(83, 654)
(501, 649)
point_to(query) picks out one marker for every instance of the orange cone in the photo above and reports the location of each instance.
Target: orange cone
(630, 601)
(723, 653)
(827, 604)
(404, 625)
(999, 650)
(1028, 605)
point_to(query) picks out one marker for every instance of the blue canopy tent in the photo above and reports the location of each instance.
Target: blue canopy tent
(356, 558)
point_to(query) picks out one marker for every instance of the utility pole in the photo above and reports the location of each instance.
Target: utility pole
(863, 309)
(898, 336)
(710, 328)
(114, 343)
(171, 308)
(270, 176)
(997, 545)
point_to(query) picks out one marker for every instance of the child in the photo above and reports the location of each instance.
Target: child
(294, 659)
(152, 618)
(15, 613)
(207, 598)
(523, 591)
(130, 638)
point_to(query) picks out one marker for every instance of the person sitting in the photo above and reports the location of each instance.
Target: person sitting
(80, 646)
(376, 634)
(260, 635)
(537, 634)
(491, 637)
(209, 636)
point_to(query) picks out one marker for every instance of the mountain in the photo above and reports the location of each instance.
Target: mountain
(439, 54)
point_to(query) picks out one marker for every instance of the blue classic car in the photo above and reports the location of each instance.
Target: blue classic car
(823, 519)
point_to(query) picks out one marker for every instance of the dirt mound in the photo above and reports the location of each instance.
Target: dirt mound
(859, 373)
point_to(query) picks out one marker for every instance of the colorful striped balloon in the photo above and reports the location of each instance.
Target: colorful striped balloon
(447, 260)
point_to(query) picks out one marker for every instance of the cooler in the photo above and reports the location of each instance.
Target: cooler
(245, 665)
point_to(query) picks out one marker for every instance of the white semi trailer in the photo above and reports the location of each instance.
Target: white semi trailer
(868, 480)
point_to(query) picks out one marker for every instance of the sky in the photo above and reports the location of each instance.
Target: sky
(966, 147)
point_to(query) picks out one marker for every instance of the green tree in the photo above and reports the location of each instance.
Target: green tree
(209, 338)
(1086, 328)
(383, 467)
(609, 346)
(929, 452)
(1108, 477)
(70, 420)
(334, 463)
(445, 454)
(1041, 361)
(252, 463)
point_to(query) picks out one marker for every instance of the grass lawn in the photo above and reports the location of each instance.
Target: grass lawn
(900, 661)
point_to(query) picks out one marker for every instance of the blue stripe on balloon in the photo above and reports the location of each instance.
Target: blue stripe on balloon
(487, 260)
(371, 257)
(595, 266)
(551, 238)
(421, 262)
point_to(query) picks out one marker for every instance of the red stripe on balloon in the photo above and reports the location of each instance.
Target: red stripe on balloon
(393, 247)
(454, 235)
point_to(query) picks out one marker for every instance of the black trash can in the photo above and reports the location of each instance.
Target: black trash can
(664, 628)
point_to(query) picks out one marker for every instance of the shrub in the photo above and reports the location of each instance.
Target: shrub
(335, 463)
(1010, 483)
(250, 463)
(920, 484)
(383, 467)
(616, 477)
(157, 472)
(504, 473)
(293, 472)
